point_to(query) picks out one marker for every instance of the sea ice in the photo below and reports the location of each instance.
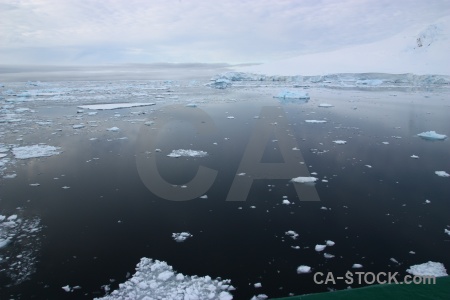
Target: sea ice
(35, 151)
(340, 142)
(304, 179)
(442, 174)
(152, 281)
(303, 269)
(114, 105)
(292, 95)
(188, 153)
(432, 135)
(428, 269)
(181, 237)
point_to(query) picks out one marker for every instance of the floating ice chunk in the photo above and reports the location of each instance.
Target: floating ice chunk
(394, 260)
(114, 105)
(292, 95)
(330, 243)
(66, 187)
(181, 237)
(187, 153)
(286, 202)
(319, 248)
(292, 234)
(259, 297)
(357, 266)
(220, 83)
(114, 129)
(428, 269)
(34, 151)
(328, 256)
(191, 105)
(3, 155)
(340, 142)
(241, 174)
(78, 126)
(442, 174)
(304, 179)
(157, 280)
(204, 197)
(35, 184)
(385, 143)
(447, 231)
(67, 288)
(427, 201)
(303, 269)
(432, 135)
(414, 156)
(257, 285)
(369, 166)
(10, 176)
(230, 117)
(325, 105)
(315, 121)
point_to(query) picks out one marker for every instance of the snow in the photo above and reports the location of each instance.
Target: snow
(442, 174)
(155, 279)
(319, 248)
(114, 105)
(340, 142)
(303, 269)
(315, 121)
(432, 135)
(420, 49)
(292, 95)
(181, 237)
(428, 269)
(304, 179)
(34, 151)
(187, 153)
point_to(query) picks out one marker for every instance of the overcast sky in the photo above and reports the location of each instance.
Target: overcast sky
(233, 31)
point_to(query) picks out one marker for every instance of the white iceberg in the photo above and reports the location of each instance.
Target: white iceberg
(292, 95)
(304, 179)
(114, 105)
(428, 269)
(187, 153)
(303, 269)
(442, 173)
(432, 135)
(181, 237)
(155, 279)
(33, 151)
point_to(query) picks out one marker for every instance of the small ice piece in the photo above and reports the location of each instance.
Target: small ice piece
(324, 208)
(33, 151)
(115, 129)
(319, 248)
(315, 121)
(187, 153)
(447, 231)
(328, 256)
(394, 260)
(414, 156)
(340, 142)
(385, 143)
(432, 135)
(204, 197)
(412, 252)
(427, 201)
(78, 126)
(35, 184)
(230, 117)
(304, 179)
(325, 105)
(257, 285)
(66, 187)
(428, 269)
(286, 202)
(442, 174)
(191, 105)
(303, 269)
(181, 237)
(67, 288)
(292, 234)
(369, 166)
(241, 174)
(259, 297)
(114, 105)
(3, 155)
(292, 95)
(357, 266)
(330, 243)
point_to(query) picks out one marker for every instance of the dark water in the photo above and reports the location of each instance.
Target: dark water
(373, 214)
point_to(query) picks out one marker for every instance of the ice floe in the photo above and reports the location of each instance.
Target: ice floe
(319, 248)
(114, 105)
(428, 269)
(257, 285)
(181, 237)
(114, 129)
(432, 135)
(187, 153)
(414, 156)
(315, 121)
(292, 234)
(33, 151)
(442, 174)
(325, 105)
(328, 256)
(155, 279)
(340, 142)
(304, 179)
(303, 269)
(447, 231)
(292, 95)
(357, 266)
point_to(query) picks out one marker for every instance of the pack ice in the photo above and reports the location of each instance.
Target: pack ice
(155, 279)
(35, 151)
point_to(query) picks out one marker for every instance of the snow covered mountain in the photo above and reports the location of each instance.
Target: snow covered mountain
(421, 50)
